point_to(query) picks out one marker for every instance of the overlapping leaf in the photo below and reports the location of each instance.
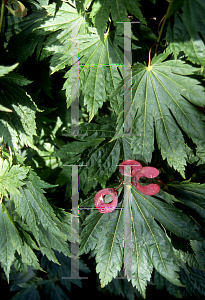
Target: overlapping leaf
(194, 281)
(71, 151)
(162, 282)
(122, 287)
(195, 258)
(5, 70)
(192, 195)
(11, 178)
(199, 253)
(92, 232)
(101, 11)
(29, 292)
(189, 39)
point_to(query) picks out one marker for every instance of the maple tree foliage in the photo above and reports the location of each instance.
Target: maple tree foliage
(164, 191)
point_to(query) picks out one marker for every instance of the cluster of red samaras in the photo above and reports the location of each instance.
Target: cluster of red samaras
(137, 171)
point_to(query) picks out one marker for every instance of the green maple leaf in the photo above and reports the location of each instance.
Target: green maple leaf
(160, 94)
(98, 73)
(152, 248)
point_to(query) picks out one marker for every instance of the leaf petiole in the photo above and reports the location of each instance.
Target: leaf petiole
(2, 14)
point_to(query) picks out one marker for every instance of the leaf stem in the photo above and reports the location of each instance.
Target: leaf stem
(121, 182)
(164, 21)
(11, 209)
(149, 60)
(118, 186)
(160, 23)
(2, 14)
(108, 27)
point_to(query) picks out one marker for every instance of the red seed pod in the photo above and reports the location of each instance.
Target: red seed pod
(148, 172)
(103, 207)
(149, 190)
(135, 166)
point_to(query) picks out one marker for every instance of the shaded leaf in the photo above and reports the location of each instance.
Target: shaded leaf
(17, 127)
(162, 282)
(102, 162)
(57, 272)
(192, 194)
(122, 287)
(189, 39)
(20, 32)
(194, 280)
(53, 291)
(199, 251)
(193, 15)
(174, 6)
(29, 292)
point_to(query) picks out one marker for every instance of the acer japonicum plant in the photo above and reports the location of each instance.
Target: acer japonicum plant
(137, 171)
(162, 162)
